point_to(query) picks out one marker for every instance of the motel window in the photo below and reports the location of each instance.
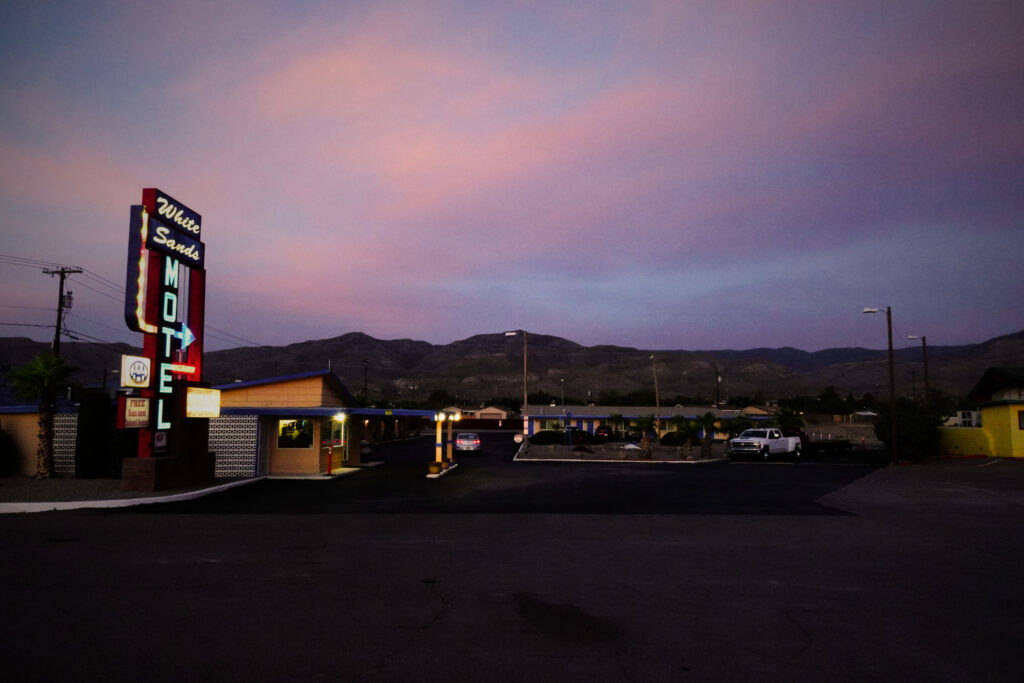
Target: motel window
(1020, 419)
(297, 433)
(330, 432)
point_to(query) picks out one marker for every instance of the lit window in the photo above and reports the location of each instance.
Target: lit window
(297, 433)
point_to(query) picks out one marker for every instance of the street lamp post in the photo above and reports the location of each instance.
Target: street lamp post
(366, 375)
(438, 463)
(657, 398)
(452, 417)
(525, 417)
(924, 351)
(892, 381)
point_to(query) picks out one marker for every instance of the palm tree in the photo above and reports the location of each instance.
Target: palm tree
(738, 425)
(41, 379)
(708, 424)
(687, 431)
(615, 421)
(646, 425)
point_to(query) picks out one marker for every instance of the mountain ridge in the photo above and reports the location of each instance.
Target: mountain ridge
(485, 366)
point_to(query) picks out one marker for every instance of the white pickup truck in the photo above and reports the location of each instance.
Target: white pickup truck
(764, 443)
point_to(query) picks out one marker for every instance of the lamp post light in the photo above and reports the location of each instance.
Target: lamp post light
(525, 417)
(657, 398)
(562, 383)
(438, 464)
(924, 351)
(892, 381)
(452, 417)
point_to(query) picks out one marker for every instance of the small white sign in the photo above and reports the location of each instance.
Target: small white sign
(135, 372)
(200, 402)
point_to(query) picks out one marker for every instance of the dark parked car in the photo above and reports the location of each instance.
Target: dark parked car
(604, 432)
(574, 436)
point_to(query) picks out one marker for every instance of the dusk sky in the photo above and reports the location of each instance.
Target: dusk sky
(664, 175)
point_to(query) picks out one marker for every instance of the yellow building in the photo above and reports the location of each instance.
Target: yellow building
(1000, 398)
(20, 424)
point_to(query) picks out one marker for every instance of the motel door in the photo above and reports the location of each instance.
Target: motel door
(332, 444)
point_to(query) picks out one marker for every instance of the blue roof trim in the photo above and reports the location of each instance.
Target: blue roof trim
(605, 416)
(62, 407)
(16, 410)
(283, 411)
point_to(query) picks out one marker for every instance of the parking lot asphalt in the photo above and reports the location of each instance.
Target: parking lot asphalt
(836, 570)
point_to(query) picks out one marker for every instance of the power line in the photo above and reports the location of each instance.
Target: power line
(118, 289)
(29, 308)
(31, 262)
(77, 336)
(112, 285)
(231, 334)
(79, 319)
(109, 296)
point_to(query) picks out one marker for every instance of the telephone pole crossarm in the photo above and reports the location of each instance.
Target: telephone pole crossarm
(63, 272)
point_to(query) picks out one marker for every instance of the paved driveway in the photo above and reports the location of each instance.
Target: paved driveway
(492, 483)
(813, 572)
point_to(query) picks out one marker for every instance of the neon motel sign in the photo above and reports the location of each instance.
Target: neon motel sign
(165, 300)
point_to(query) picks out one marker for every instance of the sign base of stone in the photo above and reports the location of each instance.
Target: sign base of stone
(162, 473)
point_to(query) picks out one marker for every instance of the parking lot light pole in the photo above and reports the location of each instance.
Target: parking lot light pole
(657, 399)
(438, 446)
(452, 417)
(924, 351)
(892, 381)
(525, 417)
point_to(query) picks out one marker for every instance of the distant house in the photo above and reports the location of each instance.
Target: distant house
(485, 413)
(999, 433)
(755, 412)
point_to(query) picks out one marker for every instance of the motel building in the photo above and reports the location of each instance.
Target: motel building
(619, 418)
(301, 425)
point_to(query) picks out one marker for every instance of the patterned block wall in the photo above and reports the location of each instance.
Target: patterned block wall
(65, 436)
(235, 440)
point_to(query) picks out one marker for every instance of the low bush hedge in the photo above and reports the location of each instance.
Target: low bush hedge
(548, 437)
(675, 439)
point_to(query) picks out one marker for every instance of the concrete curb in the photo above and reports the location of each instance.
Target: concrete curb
(624, 462)
(47, 506)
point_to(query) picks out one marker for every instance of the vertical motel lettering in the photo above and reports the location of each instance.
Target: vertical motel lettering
(169, 319)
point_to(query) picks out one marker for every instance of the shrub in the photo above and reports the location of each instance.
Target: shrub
(678, 439)
(547, 437)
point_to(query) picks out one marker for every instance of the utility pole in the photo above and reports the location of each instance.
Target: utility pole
(63, 273)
